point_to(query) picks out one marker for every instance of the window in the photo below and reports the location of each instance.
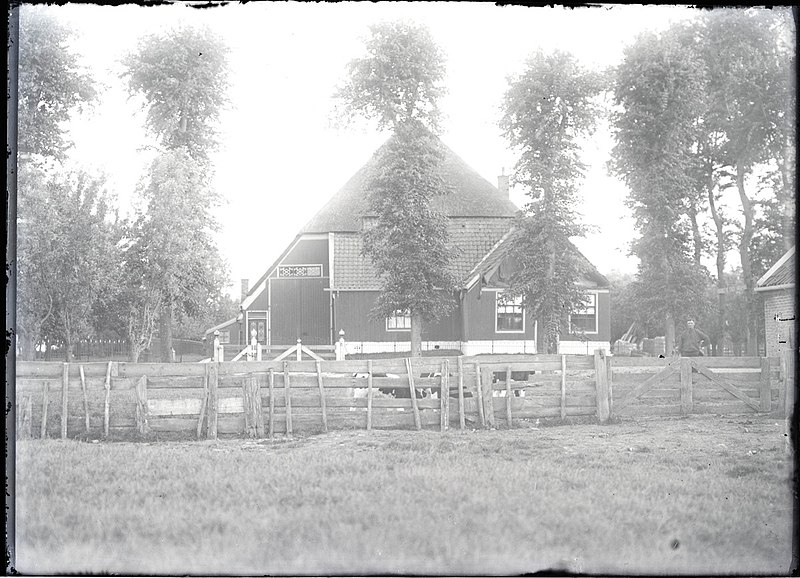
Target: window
(510, 317)
(294, 271)
(400, 321)
(584, 318)
(224, 336)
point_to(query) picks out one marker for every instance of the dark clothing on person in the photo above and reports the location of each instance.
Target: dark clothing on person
(689, 342)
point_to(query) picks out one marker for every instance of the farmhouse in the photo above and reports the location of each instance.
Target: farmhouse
(778, 290)
(322, 283)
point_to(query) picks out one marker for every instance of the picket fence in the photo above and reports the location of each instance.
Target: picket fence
(264, 398)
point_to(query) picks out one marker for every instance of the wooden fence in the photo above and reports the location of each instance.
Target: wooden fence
(262, 399)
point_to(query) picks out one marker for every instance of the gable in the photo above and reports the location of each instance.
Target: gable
(780, 275)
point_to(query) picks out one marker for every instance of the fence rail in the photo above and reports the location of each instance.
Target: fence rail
(264, 398)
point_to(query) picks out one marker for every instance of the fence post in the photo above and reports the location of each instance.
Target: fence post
(141, 406)
(687, 395)
(299, 351)
(215, 357)
(107, 401)
(787, 361)
(563, 387)
(212, 405)
(85, 399)
(765, 386)
(487, 379)
(340, 347)
(601, 380)
(253, 417)
(64, 399)
(46, 402)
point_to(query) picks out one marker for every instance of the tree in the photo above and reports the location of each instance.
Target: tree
(68, 236)
(52, 85)
(398, 84)
(546, 111)
(748, 95)
(172, 265)
(183, 77)
(658, 90)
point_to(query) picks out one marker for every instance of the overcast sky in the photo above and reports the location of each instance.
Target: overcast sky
(281, 159)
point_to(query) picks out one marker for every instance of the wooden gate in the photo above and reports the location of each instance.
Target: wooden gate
(696, 385)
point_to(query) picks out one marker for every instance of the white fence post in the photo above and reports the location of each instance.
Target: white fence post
(299, 350)
(216, 346)
(340, 348)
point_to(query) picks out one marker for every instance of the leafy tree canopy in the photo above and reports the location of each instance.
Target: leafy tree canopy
(182, 76)
(398, 80)
(52, 85)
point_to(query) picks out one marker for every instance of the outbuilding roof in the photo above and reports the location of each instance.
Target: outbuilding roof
(780, 275)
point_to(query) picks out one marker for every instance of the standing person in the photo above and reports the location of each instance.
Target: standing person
(690, 340)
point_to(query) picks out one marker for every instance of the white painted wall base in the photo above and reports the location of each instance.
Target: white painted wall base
(583, 347)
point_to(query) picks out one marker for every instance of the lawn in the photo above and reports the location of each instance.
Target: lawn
(694, 495)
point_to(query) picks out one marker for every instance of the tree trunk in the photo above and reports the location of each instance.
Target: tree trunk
(669, 335)
(744, 252)
(719, 225)
(416, 335)
(696, 236)
(165, 333)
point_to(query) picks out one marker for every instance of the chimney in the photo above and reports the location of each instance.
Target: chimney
(502, 184)
(245, 289)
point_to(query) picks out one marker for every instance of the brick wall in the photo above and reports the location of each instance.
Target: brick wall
(779, 321)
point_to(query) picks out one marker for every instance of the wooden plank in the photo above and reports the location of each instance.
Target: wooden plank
(287, 397)
(618, 362)
(141, 406)
(251, 405)
(85, 399)
(322, 398)
(487, 376)
(444, 395)
(648, 384)
(203, 403)
(765, 386)
(370, 393)
(64, 400)
(213, 402)
(601, 376)
(500, 366)
(414, 406)
(479, 390)
(734, 391)
(107, 402)
(461, 419)
(686, 385)
(137, 370)
(45, 403)
(271, 402)
(509, 397)
(727, 362)
(730, 408)
(563, 386)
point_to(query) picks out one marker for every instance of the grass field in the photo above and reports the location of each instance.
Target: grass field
(695, 495)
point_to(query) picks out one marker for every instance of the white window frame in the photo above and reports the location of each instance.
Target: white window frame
(497, 304)
(582, 311)
(225, 337)
(399, 315)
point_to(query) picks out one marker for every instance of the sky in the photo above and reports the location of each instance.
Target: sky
(281, 158)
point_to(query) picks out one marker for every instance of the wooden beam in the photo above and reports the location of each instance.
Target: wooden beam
(687, 396)
(45, 403)
(271, 403)
(563, 387)
(414, 406)
(369, 394)
(445, 395)
(481, 414)
(141, 406)
(509, 395)
(765, 386)
(734, 391)
(85, 399)
(64, 399)
(601, 379)
(461, 420)
(203, 403)
(322, 398)
(648, 384)
(287, 397)
(213, 402)
(107, 401)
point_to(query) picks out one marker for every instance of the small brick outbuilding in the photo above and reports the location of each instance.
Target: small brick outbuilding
(777, 287)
